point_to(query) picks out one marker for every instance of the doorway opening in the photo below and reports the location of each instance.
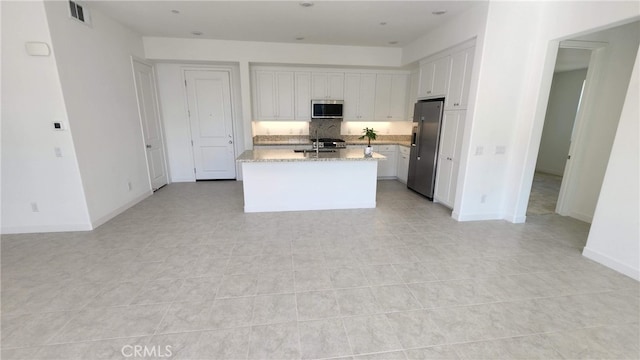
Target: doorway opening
(567, 88)
(612, 55)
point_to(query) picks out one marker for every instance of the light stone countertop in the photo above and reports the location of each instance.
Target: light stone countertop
(287, 155)
(363, 142)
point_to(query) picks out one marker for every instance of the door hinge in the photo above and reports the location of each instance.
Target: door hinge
(185, 83)
(189, 113)
(191, 142)
(194, 170)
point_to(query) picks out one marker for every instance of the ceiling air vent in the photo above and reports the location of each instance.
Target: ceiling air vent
(79, 12)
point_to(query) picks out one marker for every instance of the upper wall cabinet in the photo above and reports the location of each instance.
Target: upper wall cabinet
(303, 95)
(274, 94)
(414, 79)
(391, 97)
(459, 80)
(327, 85)
(433, 77)
(285, 93)
(359, 96)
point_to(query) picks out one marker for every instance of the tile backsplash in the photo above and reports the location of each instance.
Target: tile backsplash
(329, 127)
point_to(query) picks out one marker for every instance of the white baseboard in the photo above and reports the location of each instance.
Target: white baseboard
(45, 228)
(476, 217)
(549, 171)
(121, 209)
(611, 263)
(516, 219)
(175, 180)
(581, 217)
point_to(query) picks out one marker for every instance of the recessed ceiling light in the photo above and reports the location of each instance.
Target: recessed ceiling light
(175, 11)
(393, 42)
(383, 23)
(299, 38)
(306, 4)
(196, 33)
(439, 12)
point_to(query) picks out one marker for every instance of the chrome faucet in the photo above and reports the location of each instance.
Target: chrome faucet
(317, 144)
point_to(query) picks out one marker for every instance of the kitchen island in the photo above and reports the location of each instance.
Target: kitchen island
(284, 180)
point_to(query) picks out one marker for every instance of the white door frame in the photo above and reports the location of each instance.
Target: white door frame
(237, 126)
(135, 59)
(563, 205)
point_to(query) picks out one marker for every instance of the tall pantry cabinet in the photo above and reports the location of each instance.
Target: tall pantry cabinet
(448, 75)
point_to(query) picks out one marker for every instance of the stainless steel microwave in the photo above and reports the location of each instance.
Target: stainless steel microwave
(326, 109)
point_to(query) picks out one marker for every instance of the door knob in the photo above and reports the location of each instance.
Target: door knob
(230, 142)
(148, 146)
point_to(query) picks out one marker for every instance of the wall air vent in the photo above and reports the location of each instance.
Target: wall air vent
(79, 12)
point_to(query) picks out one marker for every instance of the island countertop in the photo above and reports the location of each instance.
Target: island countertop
(288, 155)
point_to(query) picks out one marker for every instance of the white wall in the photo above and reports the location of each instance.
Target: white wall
(268, 53)
(94, 64)
(463, 27)
(512, 93)
(614, 239)
(173, 105)
(558, 122)
(596, 136)
(31, 100)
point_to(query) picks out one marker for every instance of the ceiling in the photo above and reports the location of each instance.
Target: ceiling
(356, 23)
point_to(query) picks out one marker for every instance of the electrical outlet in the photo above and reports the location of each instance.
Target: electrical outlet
(479, 150)
(500, 150)
(57, 151)
(483, 198)
(34, 207)
(129, 185)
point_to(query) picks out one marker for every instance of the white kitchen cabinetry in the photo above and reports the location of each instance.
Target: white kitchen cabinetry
(449, 157)
(391, 97)
(359, 96)
(327, 85)
(403, 163)
(459, 80)
(274, 94)
(433, 77)
(387, 168)
(303, 95)
(412, 96)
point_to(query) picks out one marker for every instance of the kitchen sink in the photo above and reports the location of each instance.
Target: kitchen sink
(312, 151)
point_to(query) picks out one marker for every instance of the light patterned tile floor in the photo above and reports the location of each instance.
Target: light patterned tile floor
(186, 274)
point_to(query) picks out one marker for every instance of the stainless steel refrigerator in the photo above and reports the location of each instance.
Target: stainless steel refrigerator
(425, 137)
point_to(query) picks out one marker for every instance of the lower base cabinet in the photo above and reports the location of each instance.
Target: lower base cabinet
(403, 164)
(387, 168)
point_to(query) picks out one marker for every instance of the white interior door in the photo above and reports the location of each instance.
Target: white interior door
(211, 120)
(150, 119)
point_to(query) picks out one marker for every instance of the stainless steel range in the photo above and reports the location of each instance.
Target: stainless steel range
(330, 143)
